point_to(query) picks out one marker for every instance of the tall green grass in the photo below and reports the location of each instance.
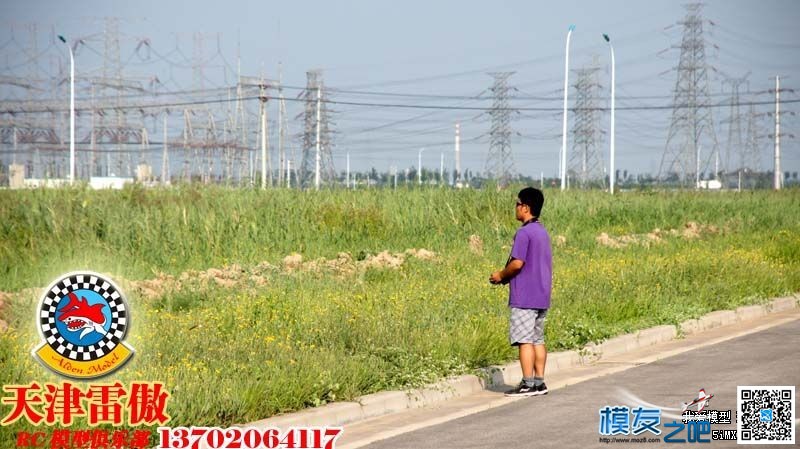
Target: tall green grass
(136, 232)
(237, 355)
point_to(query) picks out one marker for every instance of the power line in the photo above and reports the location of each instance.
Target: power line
(399, 106)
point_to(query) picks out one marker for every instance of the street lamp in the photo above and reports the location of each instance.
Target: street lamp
(71, 112)
(564, 130)
(419, 166)
(612, 173)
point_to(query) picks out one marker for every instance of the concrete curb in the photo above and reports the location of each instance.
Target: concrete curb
(385, 402)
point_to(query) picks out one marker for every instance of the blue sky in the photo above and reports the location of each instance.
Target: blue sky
(442, 48)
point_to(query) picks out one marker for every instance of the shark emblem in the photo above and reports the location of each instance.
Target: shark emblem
(78, 314)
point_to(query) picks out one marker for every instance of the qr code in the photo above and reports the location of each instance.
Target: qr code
(766, 415)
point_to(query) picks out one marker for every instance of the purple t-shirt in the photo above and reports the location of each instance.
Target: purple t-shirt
(531, 287)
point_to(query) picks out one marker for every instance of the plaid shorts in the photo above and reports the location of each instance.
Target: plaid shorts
(527, 326)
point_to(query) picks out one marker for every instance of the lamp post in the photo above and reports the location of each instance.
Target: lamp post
(71, 111)
(419, 166)
(612, 172)
(564, 130)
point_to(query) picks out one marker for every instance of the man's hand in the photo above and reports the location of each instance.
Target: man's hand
(504, 276)
(496, 277)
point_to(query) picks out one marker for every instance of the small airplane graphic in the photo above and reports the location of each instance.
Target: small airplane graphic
(701, 401)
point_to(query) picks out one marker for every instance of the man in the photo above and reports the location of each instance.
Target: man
(529, 271)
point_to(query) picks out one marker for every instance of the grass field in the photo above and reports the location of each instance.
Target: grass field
(260, 336)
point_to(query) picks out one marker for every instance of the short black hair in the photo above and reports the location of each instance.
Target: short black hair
(533, 198)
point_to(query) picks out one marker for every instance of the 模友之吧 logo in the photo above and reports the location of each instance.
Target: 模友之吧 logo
(83, 318)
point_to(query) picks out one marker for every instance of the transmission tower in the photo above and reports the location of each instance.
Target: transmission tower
(112, 74)
(499, 162)
(692, 127)
(751, 155)
(317, 130)
(197, 61)
(30, 135)
(204, 145)
(586, 158)
(109, 121)
(735, 148)
(240, 126)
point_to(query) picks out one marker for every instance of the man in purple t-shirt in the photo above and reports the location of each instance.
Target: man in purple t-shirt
(529, 270)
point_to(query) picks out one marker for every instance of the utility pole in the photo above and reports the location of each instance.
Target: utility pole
(93, 140)
(71, 112)
(263, 141)
(318, 156)
(612, 169)
(776, 182)
(564, 126)
(419, 166)
(14, 157)
(316, 163)
(697, 171)
(441, 171)
(281, 129)
(457, 180)
(347, 181)
(165, 156)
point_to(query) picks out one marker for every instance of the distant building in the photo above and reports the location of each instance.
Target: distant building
(109, 182)
(712, 184)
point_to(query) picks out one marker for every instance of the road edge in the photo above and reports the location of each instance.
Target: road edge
(386, 402)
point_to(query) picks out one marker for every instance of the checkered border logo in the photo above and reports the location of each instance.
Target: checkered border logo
(58, 291)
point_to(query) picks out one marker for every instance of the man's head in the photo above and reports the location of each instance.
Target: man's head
(529, 203)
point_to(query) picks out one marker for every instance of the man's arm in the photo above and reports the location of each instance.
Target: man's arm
(506, 274)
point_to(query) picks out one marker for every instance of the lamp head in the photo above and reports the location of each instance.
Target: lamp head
(605, 36)
(62, 39)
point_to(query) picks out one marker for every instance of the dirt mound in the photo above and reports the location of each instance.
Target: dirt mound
(24, 296)
(3, 298)
(421, 254)
(606, 240)
(236, 276)
(476, 244)
(228, 277)
(691, 230)
(292, 262)
(153, 288)
(342, 265)
(384, 259)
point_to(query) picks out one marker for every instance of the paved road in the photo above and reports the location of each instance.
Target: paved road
(569, 417)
